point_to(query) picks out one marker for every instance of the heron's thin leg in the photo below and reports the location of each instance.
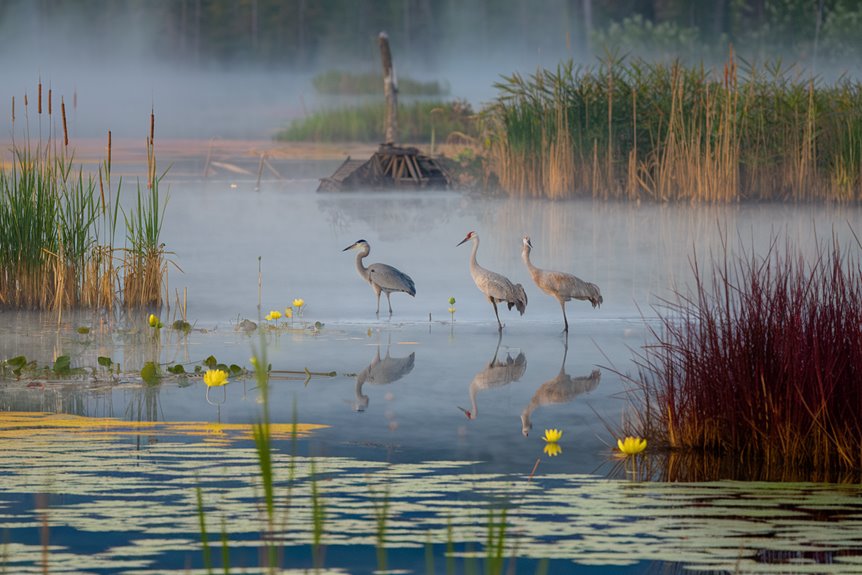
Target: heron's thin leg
(390, 303)
(565, 320)
(378, 301)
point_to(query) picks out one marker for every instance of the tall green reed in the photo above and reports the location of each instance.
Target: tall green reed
(630, 129)
(58, 226)
(263, 446)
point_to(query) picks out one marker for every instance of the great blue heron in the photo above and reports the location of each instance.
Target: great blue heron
(561, 285)
(382, 277)
(381, 372)
(497, 288)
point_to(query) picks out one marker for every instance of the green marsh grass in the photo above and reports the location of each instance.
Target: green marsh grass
(630, 129)
(58, 228)
(381, 514)
(417, 122)
(263, 446)
(205, 545)
(350, 83)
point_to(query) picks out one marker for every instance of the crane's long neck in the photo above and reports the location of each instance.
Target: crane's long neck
(525, 255)
(474, 265)
(360, 267)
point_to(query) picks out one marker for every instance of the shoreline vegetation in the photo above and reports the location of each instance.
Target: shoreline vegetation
(420, 122)
(629, 129)
(633, 130)
(758, 363)
(62, 244)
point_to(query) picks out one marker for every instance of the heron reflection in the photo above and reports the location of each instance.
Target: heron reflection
(499, 372)
(562, 388)
(381, 372)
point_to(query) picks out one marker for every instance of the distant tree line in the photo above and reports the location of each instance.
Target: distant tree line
(301, 34)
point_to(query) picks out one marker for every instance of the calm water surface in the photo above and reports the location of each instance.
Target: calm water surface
(443, 415)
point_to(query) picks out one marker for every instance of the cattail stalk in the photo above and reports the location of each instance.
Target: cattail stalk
(65, 129)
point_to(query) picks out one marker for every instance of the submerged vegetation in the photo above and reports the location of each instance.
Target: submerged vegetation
(59, 242)
(762, 363)
(421, 121)
(630, 129)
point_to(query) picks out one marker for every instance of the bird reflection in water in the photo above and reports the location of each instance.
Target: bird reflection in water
(381, 372)
(562, 388)
(499, 372)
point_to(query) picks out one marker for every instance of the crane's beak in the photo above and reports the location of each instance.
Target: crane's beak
(528, 243)
(350, 247)
(462, 241)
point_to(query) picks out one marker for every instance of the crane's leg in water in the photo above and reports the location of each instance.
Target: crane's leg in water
(496, 313)
(565, 320)
(390, 303)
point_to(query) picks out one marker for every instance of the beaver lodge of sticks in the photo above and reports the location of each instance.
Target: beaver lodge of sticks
(390, 167)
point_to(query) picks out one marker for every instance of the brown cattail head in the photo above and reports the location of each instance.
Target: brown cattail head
(65, 129)
(40, 97)
(13, 109)
(152, 125)
(109, 151)
(25, 100)
(50, 93)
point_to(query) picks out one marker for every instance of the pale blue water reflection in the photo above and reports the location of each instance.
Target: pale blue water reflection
(416, 388)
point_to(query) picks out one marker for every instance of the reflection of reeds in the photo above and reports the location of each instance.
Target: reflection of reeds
(762, 362)
(669, 132)
(58, 231)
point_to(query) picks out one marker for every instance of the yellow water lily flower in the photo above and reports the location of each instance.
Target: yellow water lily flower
(552, 449)
(298, 302)
(215, 377)
(631, 445)
(451, 310)
(153, 320)
(288, 312)
(273, 315)
(552, 435)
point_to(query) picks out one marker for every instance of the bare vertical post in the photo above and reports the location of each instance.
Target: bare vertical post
(390, 90)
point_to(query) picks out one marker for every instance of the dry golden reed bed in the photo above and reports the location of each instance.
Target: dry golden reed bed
(639, 130)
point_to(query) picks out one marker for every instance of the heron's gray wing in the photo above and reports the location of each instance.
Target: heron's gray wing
(390, 278)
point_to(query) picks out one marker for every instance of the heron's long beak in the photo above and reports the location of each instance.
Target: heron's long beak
(350, 247)
(462, 241)
(529, 243)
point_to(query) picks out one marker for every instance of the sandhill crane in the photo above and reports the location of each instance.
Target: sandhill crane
(381, 372)
(561, 285)
(496, 374)
(497, 288)
(562, 388)
(382, 277)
